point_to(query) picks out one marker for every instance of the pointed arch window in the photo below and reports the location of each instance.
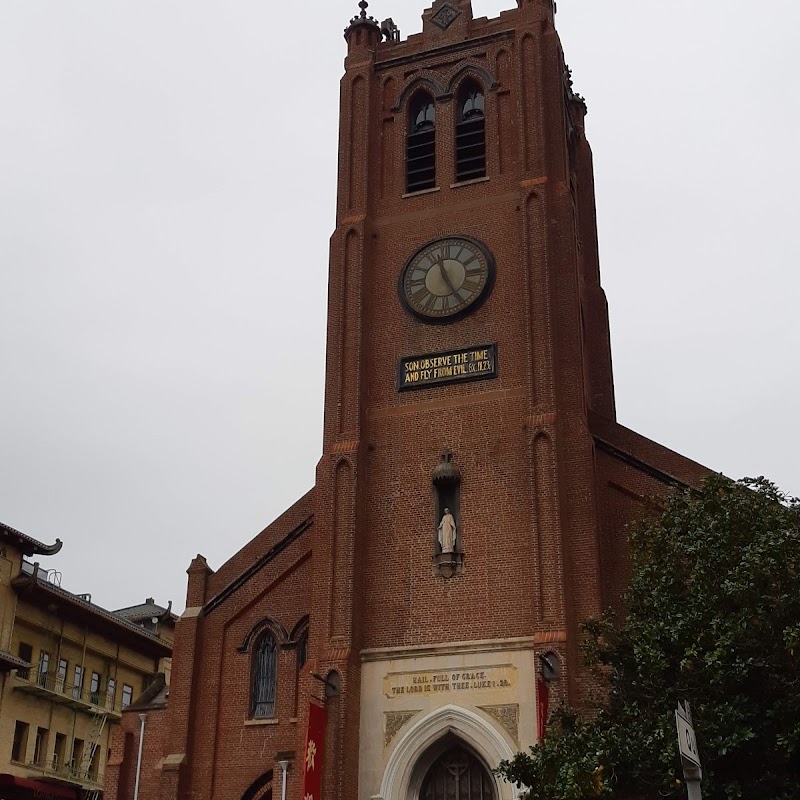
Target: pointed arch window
(265, 677)
(260, 789)
(302, 651)
(470, 132)
(421, 144)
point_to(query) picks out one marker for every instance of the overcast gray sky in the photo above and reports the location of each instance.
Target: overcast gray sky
(167, 182)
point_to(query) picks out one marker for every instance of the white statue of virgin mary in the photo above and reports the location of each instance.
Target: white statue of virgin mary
(447, 532)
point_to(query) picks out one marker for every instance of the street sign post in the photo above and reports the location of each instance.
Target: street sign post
(690, 756)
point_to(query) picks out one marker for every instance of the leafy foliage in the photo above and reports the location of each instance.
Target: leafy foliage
(713, 618)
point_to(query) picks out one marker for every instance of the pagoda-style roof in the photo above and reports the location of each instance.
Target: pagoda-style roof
(148, 612)
(32, 583)
(27, 544)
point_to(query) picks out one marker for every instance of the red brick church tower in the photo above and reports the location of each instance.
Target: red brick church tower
(474, 484)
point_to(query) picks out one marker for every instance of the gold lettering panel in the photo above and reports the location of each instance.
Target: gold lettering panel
(474, 363)
(432, 682)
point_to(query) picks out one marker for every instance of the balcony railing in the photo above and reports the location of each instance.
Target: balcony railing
(67, 771)
(61, 691)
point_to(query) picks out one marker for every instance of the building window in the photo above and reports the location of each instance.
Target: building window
(94, 763)
(127, 695)
(58, 751)
(77, 683)
(19, 746)
(61, 675)
(265, 675)
(44, 668)
(25, 652)
(94, 688)
(421, 144)
(111, 688)
(457, 775)
(470, 133)
(77, 755)
(40, 747)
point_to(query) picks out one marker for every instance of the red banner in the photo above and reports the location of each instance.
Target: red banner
(542, 708)
(312, 755)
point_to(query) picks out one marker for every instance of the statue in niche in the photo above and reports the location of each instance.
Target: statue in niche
(447, 532)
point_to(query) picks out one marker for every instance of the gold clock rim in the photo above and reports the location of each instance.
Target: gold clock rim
(467, 306)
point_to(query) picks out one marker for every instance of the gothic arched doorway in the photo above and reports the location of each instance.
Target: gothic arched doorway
(426, 742)
(457, 775)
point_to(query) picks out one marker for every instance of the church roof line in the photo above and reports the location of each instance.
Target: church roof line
(218, 599)
(642, 466)
(645, 455)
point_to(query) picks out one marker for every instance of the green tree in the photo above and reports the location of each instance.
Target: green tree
(713, 618)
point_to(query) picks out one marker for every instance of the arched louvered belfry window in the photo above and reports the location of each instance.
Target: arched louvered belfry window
(265, 676)
(457, 775)
(470, 132)
(421, 144)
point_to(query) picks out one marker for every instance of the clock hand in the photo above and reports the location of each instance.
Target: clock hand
(446, 277)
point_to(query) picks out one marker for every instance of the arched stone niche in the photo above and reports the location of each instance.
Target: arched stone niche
(447, 498)
(427, 738)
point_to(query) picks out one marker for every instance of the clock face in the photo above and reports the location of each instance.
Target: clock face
(446, 277)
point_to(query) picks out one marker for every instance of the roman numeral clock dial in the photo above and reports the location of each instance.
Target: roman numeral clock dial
(446, 278)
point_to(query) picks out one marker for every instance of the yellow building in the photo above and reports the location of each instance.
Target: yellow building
(67, 669)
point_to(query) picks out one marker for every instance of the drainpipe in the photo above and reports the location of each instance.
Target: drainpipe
(284, 765)
(142, 718)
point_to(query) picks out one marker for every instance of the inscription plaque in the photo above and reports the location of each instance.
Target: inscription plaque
(446, 681)
(433, 369)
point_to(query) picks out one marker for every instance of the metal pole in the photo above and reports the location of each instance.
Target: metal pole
(694, 790)
(142, 718)
(285, 767)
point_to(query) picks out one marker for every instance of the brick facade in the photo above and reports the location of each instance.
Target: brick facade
(548, 477)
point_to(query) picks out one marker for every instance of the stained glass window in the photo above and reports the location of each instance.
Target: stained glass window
(265, 676)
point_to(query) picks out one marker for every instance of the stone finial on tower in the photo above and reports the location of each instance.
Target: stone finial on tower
(363, 21)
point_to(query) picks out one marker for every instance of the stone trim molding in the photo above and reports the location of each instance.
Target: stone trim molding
(402, 778)
(450, 648)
